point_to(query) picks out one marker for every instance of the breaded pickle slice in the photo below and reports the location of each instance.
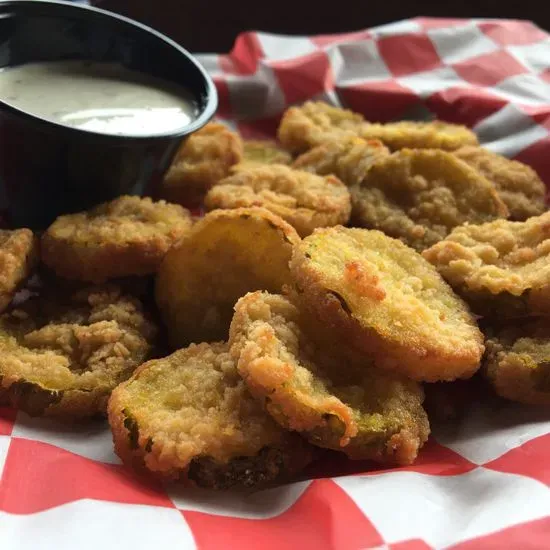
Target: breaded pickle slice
(258, 151)
(517, 184)
(383, 297)
(377, 416)
(63, 355)
(189, 417)
(517, 361)
(227, 254)
(203, 159)
(306, 201)
(348, 158)
(127, 236)
(419, 196)
(501, 268)
(18, 257)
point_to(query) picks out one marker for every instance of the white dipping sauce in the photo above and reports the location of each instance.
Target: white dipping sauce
(99, 97)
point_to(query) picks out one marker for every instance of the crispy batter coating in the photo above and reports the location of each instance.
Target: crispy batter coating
(384, 298)
(501, 268)
(203, 159)
(63, 355)
(420, 135)
(263, 152)
(227, 254)
(348, 158)
(517, 184)
(189, 416)
(378, 416)
(306, 201)
(18, 257)
(419, 196)
(314, 123)
(517, 361)
(127, 236)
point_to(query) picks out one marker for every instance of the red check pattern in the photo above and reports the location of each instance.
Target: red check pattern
(482, 484)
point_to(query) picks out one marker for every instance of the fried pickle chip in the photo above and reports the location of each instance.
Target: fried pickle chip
(501, 268)
(419, 196)
(306, 201)
(18, 257)
(517, 184)
(190, 417)
(203, 159)
(314, 123)
(379, 416)
(263, 152)
(227, 254)
(348, 158)
(517, 361)
(63, 355)
(385, 299)
(124, 237)
(420, 135)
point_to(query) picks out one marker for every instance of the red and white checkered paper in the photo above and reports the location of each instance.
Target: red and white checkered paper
(482, 484)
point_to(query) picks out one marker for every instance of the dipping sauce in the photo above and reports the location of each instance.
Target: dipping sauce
(99, 97)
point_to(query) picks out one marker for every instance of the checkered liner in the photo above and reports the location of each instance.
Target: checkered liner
(479, 485)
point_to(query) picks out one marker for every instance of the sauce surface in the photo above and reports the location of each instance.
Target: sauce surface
(99, 97)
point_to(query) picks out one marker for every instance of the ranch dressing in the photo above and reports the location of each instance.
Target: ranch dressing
(98, 97)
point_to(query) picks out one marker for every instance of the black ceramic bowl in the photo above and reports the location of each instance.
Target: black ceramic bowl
(47, 169)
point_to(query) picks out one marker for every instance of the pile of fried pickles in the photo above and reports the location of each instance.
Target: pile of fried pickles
(339, 274)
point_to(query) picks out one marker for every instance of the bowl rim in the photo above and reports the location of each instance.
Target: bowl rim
(207, 113)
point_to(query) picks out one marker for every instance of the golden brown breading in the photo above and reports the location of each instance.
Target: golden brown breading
(306, 201)
(63, 355)
(517, 362)
(501, 268)
(263, 152)
(382, 297)
(189, 416)
(18, 257)
(314, 123)
(348, 158)
(203, 159)
(517, 184)
(420, 135)
(379, 416)
(127, 236)
(227, 254)
(419, 196)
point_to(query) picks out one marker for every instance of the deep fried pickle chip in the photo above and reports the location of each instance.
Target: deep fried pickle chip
(501, 268)
(385, 299)
(227, 254)
(348, 158)
(263, 152)
(63, 355)
(124, 237)
(306, 201)
(517, 361)
(419, 196)
(378, 416)
(314, 123)
(190, 417)
(420, 135)
(517, 184)
(18, 257)
(203, 159)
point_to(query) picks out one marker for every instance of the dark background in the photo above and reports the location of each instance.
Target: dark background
(212, 25)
